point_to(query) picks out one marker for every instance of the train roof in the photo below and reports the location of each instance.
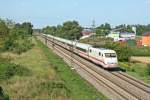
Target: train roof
(82, 45)
(104, 50)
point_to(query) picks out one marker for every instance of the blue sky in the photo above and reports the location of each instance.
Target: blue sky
(52, 12)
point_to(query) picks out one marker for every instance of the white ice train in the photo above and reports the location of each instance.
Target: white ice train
(105, 57)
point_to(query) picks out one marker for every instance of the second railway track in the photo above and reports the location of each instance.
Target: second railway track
(124, 76)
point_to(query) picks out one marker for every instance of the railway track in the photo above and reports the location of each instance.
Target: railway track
(121, 86)
(124, 76)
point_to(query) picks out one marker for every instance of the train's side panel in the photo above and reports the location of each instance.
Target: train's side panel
(84, 50)
(95, 57)
(86, 54)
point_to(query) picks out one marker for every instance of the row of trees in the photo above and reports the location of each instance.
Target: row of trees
(142, 28)
(16, 37)
(69, 30)
(15, 29)
(105, 29)
(139, 28)
(72, 29)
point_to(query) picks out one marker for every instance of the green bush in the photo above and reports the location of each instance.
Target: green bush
(22, 45)
(3, 96)
(7, 70)
(141, 51)
(148, 69)
(124, 52)
(126, 66)
(8, 44)
(55, 87)
(19, 45)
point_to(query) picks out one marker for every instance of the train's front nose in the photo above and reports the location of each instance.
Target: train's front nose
(111, 62)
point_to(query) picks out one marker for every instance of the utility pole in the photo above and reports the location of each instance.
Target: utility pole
(93, 27)
(71, 48)
(53, 41)
(45, 40)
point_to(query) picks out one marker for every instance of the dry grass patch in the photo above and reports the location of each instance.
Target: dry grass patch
(34, 88)
(30, 87)
(36, 61)
(9, 55)
(51, 79)
(141, 59)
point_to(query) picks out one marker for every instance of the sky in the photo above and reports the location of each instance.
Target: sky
(53, 12)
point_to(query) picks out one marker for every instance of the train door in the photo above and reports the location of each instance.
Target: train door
(88, 52)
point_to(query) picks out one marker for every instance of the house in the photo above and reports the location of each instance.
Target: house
(146, 39)
(127, 35)
(122, 36)
(114, 35)
(87, 32)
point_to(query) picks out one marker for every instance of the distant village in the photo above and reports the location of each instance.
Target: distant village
(118, 36)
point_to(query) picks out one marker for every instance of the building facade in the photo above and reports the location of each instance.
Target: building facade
(146, 39)
(122, 36)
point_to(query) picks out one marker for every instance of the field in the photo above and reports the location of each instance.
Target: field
(141, 59)
(138, 70)
(46, 77)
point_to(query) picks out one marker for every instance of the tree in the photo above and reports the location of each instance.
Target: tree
(15, 38)
(142, 28)
(107, 26)
(23, 29)
(4, 31)
(121, 27)
(99, 31)
(9, 23)
(125, 28)
(18, 40)
(124, 52)
(59, 31)
(129, 28)
(71, 30)
(27, 26)
(3, 96)
(103, 29)
(50, 30)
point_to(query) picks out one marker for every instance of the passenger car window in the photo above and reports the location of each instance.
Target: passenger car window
(99, 54)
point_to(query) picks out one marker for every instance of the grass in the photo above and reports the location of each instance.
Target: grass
(137, 70)
(23, 87)
(141, 51)
(140, 59)
(80, 89)
(50, 78)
